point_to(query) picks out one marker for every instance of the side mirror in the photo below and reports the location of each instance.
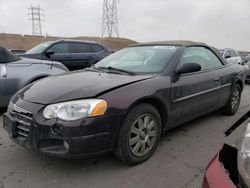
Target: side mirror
(227, 56)
(242, 63)
(48, 54)
(188, 68)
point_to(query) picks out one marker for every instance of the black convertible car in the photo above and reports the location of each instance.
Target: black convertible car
(125, 102)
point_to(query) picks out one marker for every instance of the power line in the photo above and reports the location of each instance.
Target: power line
(110, 18)
(36, 19)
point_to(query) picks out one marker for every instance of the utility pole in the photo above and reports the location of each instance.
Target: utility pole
(110, 18)
(36, 19)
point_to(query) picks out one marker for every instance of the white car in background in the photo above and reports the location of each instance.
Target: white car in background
(232, 56)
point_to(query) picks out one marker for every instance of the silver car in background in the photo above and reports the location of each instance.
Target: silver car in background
(246, 61)
(231, 55)
(16, 72)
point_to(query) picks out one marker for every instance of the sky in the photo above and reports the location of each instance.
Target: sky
(220, 23)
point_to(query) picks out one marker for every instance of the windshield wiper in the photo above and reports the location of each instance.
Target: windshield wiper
(94, 68)
(117, 70)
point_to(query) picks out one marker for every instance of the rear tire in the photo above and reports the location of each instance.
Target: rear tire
(139, 135)
(233, 102)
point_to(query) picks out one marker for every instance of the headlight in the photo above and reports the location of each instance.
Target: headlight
(73, 110)
(244, 157)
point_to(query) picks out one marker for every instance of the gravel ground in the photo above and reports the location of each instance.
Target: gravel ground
(179, 161)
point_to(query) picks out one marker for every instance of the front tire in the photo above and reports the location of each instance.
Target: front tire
(139, 135)
(233, 102)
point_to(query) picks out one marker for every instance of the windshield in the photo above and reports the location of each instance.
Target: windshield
(140, 59)
(39, 48)
(7, 57)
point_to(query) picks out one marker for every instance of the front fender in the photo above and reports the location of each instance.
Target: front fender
(123, 99)
(36, 78)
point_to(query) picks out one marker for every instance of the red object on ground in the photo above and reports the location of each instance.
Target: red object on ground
(216, 176)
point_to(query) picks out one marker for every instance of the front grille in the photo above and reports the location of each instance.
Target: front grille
(23, 119)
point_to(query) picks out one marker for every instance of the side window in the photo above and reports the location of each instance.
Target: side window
(97, 48)
(60, 48)
(248, 58)
(202, 56)
(232, 53)
(227, 54)
(237, 53)
(80, 48)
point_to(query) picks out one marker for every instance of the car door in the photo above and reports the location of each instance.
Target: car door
(3, 75)
(82, 55)
(61, 53)
(194, 94)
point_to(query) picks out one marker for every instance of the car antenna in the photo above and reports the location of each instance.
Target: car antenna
(48, 55)
(52, 64)
(228, 131)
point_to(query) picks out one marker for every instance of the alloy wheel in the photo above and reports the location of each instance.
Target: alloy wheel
(235, 99)
(143, 135)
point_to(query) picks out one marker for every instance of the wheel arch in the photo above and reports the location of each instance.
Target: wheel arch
(36, 78)
(239, 82)
(157, 104)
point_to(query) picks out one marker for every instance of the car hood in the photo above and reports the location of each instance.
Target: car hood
(27, 61)
(76, 85)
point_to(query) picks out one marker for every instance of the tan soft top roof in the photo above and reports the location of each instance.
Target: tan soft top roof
(183, 43)
(173, 42)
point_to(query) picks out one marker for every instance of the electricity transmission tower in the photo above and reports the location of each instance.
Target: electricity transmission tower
(36, 19)
(110, 18)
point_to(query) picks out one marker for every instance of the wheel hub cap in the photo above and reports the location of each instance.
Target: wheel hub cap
(143, 135)
(235, 99)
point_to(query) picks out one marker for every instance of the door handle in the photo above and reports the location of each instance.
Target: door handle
(3, 71)
(216, 80)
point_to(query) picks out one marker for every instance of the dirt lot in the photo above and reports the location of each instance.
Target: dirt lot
(15, 41)
(178, 162)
